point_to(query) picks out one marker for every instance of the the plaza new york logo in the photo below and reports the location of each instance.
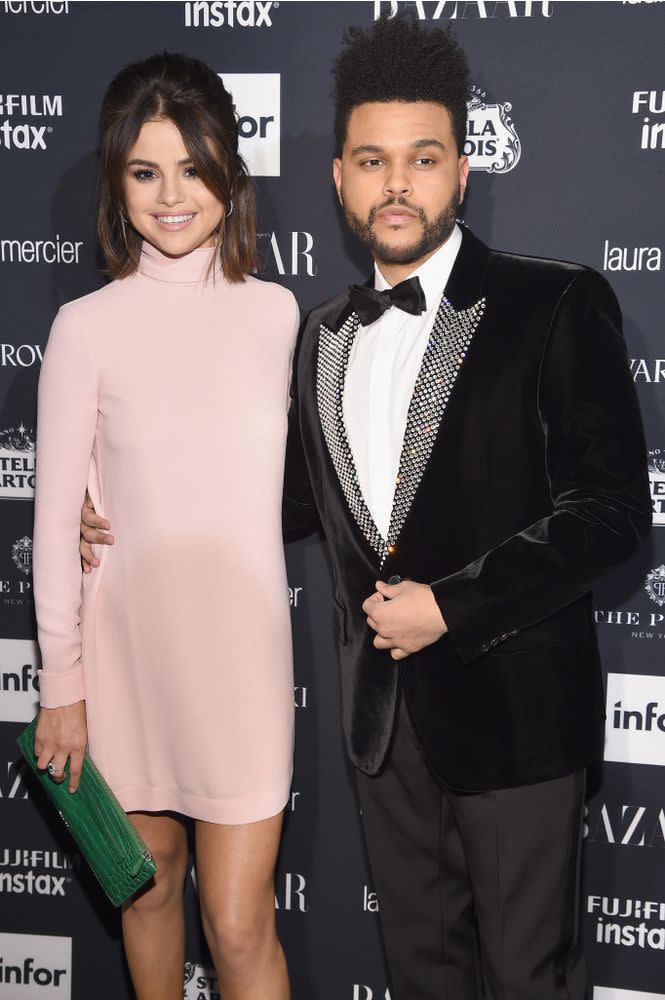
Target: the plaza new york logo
(22, 554)
(17, 463)
(492, 144)
(655, 585)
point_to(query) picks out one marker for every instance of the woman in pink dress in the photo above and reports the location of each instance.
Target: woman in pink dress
(166, 388)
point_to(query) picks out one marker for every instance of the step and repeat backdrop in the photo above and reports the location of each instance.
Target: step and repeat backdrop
(566, 139)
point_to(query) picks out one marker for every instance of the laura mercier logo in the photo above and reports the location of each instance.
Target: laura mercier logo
(492, 144)
(45, 7)
(618, 258)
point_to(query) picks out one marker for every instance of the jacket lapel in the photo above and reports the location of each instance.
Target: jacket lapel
(333, 359)
(443, 359)
(457, 318)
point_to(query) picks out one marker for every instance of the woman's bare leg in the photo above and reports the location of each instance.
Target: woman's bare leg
(236, 875)
(153, 922)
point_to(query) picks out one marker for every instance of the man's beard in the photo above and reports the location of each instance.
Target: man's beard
(433, 233)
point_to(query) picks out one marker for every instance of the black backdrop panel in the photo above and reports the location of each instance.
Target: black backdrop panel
(567, 141)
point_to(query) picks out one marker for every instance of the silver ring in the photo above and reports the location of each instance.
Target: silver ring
(53, 770)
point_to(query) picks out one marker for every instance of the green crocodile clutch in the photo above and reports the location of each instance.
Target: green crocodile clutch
(118, 857)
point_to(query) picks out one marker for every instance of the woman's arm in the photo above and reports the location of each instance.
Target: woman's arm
(66, 423)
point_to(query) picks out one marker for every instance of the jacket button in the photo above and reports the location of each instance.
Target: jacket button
(392, 580)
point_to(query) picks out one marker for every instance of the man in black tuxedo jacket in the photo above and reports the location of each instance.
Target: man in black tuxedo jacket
(467, 433)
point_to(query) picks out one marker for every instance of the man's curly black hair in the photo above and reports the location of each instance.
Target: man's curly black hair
(397, 59)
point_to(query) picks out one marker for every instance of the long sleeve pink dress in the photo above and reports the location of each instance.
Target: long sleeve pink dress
(166, 394)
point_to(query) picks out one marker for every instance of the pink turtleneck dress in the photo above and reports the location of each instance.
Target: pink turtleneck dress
(166, 394)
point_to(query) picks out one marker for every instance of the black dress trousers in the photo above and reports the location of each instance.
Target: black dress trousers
(452, 871)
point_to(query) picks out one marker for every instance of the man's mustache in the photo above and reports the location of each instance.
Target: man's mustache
(402, 202)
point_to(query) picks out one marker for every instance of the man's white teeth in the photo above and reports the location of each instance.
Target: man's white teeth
(175, 218)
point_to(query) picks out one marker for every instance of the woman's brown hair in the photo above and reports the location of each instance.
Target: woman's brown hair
(188, 93)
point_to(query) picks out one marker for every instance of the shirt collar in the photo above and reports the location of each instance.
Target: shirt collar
(434, 273)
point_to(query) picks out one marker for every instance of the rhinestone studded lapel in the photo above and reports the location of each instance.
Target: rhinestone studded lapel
(334, 350)
(444, 356)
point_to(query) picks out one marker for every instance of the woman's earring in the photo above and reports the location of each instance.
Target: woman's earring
(230, 210)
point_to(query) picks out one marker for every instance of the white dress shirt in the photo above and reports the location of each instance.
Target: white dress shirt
(383, 367)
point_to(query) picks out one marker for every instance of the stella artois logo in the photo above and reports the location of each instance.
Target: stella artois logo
(492, 144)
(655, 585)
(657, 483)
(17, 463)
(200, 982)
(22, 554)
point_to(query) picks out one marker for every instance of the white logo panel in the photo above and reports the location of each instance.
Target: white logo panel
(19, 690)
(35, 967)
(609, 993)
(256, 98)
(635, 728)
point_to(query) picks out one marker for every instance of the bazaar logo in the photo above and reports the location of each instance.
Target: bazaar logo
(657, 484)
(655, 585)
(492, 144)
(17, 463)
(452, 10)
(22, 554)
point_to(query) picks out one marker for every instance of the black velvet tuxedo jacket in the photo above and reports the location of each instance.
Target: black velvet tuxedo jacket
(523, 478)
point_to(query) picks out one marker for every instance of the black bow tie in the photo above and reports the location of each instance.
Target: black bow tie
(370, 303)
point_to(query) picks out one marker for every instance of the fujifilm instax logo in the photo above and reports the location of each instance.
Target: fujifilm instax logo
(256, 99)
(230, 14)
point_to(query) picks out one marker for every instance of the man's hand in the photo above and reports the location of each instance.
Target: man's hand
(405, 617)
(94, 531)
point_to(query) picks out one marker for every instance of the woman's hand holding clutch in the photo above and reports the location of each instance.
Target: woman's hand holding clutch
(62, 733)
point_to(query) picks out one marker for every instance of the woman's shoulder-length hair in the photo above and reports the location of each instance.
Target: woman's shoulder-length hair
(178, 88)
